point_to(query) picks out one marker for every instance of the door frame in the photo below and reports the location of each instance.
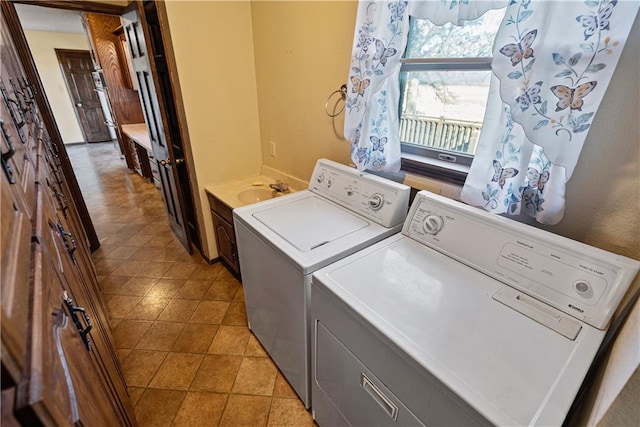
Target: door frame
(28, 63)
(60, 54)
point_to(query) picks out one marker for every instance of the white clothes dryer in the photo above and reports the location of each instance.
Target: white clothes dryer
(465, 318)
(283, 240)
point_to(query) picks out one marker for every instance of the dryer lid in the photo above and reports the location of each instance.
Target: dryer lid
(310, 222)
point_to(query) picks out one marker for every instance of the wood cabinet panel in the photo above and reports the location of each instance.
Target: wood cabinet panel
(15, 244)
(222, 216)
(50, 376)
(61, 386)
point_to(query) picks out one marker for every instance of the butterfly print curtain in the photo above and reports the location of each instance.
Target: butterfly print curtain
(552, 63)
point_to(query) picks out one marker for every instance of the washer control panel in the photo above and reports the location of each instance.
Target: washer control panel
(580, 280)
(378, 199)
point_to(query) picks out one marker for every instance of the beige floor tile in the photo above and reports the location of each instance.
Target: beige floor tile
(254, 348)
(135, 393)
(210, 312)
(122, 252)
(167, 287)
(123, 353)
(154, 269)
(120, 305)
(113, 284)
(161, 336)
(222, 291)
(239, 297)
(289, 412)
(230, 340)
(158, 407)
(282, 387)
(194, 289)
(245, 411)
(257, 375)
(236, 315)
(149, 308)
(161, 242)
(217, 373)
(200, 410)
(138, 239)
(138, 286)
(140, 367)
(195, 338)
(114, 321)
(179, 271)
(130, 268)
(226, 275)
(206, 272)
(177, 371)
(179, 310)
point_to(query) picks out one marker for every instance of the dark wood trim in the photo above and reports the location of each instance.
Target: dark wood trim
(78, 5)
(183, 128)
(29, 65)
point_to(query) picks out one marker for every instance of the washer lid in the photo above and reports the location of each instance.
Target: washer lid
(310, 223)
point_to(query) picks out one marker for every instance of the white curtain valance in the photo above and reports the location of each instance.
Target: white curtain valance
(552, 63)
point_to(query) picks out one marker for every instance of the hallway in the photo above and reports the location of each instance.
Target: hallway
(179, 324)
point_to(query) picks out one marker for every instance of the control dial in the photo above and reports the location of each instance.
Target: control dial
(350, 191)
(376, 201)
(433, 224)
(320, 178)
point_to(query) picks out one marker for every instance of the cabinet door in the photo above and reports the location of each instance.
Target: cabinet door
(62, 385)
(59, 245)
(15, 247)
(226, 240)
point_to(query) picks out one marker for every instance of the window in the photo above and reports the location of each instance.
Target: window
(444, 84)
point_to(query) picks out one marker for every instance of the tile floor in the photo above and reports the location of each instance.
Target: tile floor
(178, 323)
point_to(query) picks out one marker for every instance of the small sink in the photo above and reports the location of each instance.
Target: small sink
(253, 195)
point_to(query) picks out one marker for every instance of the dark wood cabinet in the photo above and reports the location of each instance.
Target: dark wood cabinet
(222, 216)
(59, 365)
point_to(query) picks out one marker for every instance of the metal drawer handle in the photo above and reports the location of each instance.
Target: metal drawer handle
(385, 403)
(70, 243)
(8, 154)
(83, 331)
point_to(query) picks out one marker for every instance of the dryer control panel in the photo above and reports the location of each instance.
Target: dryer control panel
(378, 199)
(580, 280)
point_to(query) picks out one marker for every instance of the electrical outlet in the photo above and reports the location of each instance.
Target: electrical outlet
(272, 148)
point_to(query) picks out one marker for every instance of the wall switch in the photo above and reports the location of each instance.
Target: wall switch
(272, 148)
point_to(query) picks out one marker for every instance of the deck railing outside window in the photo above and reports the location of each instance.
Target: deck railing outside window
(440, 133)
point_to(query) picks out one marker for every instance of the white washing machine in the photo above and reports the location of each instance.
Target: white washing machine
(283, 240)
(465, 318)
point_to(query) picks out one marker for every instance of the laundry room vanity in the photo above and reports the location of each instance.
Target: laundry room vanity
(228, 195)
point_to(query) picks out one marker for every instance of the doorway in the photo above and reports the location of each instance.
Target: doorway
(77, 69)
(182, 183)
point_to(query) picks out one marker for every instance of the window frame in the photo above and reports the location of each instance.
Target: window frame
(443, 165)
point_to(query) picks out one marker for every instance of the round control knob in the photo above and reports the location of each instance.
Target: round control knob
(320, 178)
(329, 183)
(433, 224)
(376, 201)
(582, 287)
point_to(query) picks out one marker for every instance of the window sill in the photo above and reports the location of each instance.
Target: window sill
(440, 170)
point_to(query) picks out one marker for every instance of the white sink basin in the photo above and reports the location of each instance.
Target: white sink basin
(253, 195)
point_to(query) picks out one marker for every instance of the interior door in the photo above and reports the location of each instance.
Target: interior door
(77, 68)
(168, 161)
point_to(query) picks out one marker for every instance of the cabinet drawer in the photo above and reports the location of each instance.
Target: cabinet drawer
(219, 207)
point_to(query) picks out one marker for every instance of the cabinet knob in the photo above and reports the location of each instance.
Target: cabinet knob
(166, 162)
(78, 104)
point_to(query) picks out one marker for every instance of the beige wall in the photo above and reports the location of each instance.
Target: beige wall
(302, 51)
(213, 48)
(42, 45)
